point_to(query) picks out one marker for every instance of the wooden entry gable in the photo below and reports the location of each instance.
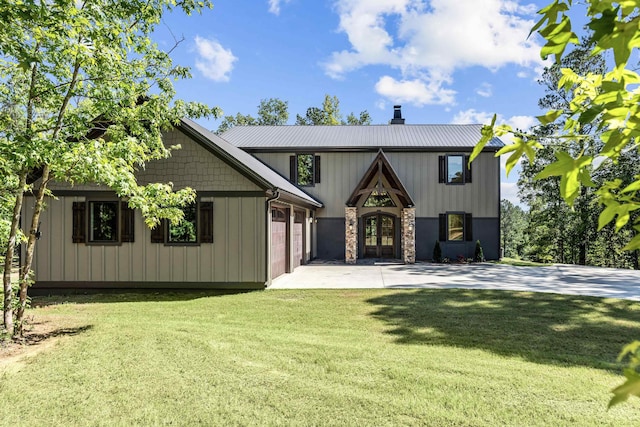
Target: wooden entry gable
(374, 179)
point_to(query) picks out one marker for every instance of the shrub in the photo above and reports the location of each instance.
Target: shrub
(437, 252)
(479, 254)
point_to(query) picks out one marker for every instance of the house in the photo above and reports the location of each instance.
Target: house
(270, 198)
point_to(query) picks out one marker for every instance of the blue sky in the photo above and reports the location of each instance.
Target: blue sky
(445, 61)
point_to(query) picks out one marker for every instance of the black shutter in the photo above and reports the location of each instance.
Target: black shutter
(292, 169)
(157, 233)
(442, 169)
(317, 169)
(467, 169)
(206, 222)
(126, 223)
(79, 222)
(443, 228)
(468, 228)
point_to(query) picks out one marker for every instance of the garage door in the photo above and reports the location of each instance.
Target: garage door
(298, 238)
(278, 242)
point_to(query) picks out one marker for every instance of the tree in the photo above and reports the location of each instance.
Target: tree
(274, 112)
(329, 115)
(611, 101)
(559, 233)
(85, 96)
(271, 112)
(513, 222)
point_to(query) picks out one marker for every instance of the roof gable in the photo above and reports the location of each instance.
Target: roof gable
(372, 180)
(245, 163)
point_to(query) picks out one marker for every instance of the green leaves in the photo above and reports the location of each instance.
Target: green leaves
(557, 34)
(487, 133)
(519, 148)
(631, 387)
(572, 173)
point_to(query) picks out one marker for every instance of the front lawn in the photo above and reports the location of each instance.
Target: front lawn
(335, 357)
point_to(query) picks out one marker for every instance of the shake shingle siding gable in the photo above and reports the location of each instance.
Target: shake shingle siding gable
(407, 137)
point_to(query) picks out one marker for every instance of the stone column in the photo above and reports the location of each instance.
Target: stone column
(408, 232)
(351, 234)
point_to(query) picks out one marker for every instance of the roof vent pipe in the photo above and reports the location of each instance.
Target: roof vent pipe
(397, 115)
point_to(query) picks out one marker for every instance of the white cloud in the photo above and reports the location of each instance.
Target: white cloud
(428, 40)
(472, 116)
(509, 191)
(485, 90)
(274, 6)
(417, 91)
(381, 104)
(214, 61)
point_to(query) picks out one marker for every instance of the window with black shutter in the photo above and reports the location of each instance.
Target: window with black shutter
(455, 227)
(195, 228)
(102, 222)
(454, 169)
(304, 169)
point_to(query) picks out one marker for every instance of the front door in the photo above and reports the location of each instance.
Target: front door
(379, 234)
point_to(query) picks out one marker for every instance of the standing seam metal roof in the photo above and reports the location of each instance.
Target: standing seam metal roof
(249, 162)
(390, 136)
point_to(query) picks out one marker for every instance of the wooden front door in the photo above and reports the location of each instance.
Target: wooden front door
(379, 236)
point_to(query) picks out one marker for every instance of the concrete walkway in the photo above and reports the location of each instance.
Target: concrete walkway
(559, 278)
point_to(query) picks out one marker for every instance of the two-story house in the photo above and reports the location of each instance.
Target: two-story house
(273, 197)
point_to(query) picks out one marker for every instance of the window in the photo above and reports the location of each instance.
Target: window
(379, 199)
(195, 228)
(454, 169)
(102, 222)
(456, 227)
(305, 169)
(185, 231)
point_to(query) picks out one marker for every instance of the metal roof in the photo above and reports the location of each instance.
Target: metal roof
(245, 162)
(255, 138)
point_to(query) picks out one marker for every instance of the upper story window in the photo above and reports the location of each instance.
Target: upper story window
(305, 169)
(454, 169)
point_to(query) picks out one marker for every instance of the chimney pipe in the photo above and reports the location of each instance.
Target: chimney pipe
(397, 115)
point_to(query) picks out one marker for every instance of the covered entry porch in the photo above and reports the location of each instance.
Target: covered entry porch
(380, 216)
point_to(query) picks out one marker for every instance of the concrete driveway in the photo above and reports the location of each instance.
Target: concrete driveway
(559, 278)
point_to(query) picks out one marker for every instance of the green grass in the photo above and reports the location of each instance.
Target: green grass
(353, 357)
(521, 262)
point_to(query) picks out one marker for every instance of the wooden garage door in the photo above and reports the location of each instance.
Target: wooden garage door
(298, 238)
(278, 242)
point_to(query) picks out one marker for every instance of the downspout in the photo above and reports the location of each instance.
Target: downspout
(267, 257)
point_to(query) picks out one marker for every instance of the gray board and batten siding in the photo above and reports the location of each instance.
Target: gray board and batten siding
(346, 152)
(237, 258)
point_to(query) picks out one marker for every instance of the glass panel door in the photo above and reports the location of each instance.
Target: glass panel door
(371, 236)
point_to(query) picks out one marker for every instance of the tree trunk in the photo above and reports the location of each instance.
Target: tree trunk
(11, 245)
(28, 259)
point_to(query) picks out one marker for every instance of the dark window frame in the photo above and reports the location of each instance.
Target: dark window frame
(91, 221)
(82, 215)
(204, 227)
(314, 173)
(196, 242)
(467, 227)
(443, 169)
